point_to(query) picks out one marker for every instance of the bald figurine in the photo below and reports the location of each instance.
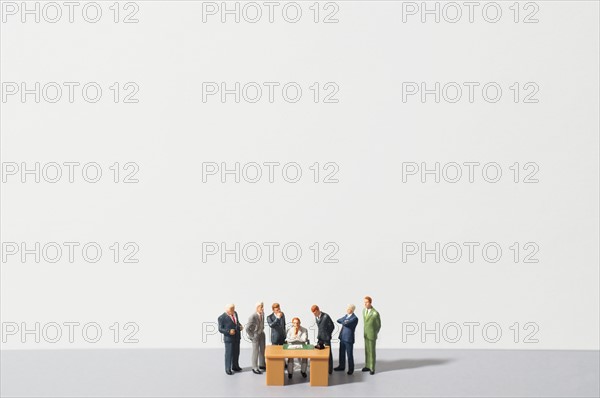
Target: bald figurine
(348, 322)
(230, 326)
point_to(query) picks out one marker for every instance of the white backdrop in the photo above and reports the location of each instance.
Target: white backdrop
(366, 130)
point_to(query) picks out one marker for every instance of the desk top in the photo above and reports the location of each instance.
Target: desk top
(277, 351)
(304, 347)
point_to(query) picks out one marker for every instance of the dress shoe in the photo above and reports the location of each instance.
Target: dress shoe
(256, 372)
(289, 375)
(237, 369)
(339, 369)
(350, 372)
(366, 369)
(262, 367)
(303, 374)
(229, 372)
(331, 371)
(372, 372)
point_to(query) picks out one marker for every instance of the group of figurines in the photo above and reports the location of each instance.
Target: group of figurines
(231, 328)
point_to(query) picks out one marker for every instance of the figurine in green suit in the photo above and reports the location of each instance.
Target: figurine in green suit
(372, 322)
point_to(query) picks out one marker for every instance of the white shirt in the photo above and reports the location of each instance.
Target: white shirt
(301, 336)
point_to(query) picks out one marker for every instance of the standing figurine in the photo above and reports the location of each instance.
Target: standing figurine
(372, 326)
(349, 322)
(326, 327)
(276, 322)
(255, 328)
(231, 328)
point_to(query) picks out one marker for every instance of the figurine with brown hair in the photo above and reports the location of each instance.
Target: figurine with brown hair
(372, 322)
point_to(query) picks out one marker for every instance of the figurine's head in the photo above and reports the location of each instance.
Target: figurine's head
(368, 302)
(260, 307)
(315, 310)
(350, 309)
(296, 322)
(230, 309)
(276, 308)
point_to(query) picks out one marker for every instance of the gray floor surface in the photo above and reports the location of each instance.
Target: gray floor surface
(200, 373)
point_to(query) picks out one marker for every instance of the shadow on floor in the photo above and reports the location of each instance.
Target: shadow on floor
(339, 378)
(401, 364)
(296, 379)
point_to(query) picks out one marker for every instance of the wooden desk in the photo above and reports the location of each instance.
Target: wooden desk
(319, 364)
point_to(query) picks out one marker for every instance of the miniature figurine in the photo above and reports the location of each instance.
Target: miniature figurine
(372, 322)
(276, 322)
(255, 328)
(297, 335)
(326, 327)
(231, 328)
(348, 322)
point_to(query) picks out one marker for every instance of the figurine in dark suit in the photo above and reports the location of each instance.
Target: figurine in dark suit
(349, 322)
(326, 327)
(230, 326)
(276, 322)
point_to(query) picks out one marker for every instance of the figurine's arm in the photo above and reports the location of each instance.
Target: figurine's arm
(352, 323)
(251, 326)
(304, 336)
(330, 325)
(222, 327)
(273, 321)
(239, 325)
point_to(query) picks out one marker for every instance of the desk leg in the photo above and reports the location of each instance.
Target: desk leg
(319, 372)
(275, 372)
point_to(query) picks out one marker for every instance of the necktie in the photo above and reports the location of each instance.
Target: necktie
(233, 319)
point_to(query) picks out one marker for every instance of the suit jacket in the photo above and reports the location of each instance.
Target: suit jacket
(226, 324)
(372, 324)
(255, 327)
(326, 327)
(348, 328)
(277, 328)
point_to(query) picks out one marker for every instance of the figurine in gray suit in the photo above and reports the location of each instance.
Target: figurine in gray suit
(276, 322)
(255, 328)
